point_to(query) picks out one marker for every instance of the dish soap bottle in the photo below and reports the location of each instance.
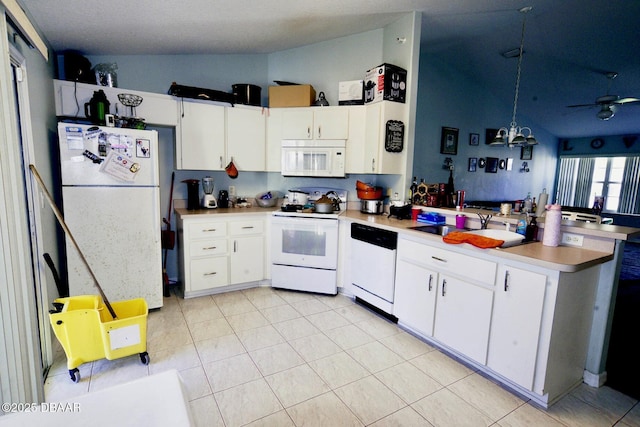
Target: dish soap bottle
(532, 230)
(521, 228)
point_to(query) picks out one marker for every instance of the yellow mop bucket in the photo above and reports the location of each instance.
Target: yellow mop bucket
(88, 332)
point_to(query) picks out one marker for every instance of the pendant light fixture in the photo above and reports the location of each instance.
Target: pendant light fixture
(514, 135)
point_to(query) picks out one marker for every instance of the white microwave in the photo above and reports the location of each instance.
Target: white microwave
(320, 158)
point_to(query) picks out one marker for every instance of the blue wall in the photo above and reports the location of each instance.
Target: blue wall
(449, 98)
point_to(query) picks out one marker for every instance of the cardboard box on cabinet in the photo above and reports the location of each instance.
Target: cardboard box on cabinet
(291, 96)
(385, 83)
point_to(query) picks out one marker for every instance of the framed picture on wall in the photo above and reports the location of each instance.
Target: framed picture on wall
(474, 139)
(473, 164)
(449, 141)
(526, 152)
(492, 165)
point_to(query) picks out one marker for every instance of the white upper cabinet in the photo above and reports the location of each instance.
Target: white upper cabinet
(315, 123)
(370, 148)
(274, 140)
(246, 137)
(212, 135)
(201, 145)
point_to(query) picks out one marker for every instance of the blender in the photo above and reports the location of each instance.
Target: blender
(208, 199)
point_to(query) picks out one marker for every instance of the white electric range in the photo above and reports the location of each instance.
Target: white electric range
(304, 244)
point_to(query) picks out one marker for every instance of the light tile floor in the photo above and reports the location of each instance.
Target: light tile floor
(265, 357)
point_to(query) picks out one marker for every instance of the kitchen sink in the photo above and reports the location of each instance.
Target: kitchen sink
(510, 238)
(441, 230)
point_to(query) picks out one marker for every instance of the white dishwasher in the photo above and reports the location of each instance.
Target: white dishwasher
(373, 265)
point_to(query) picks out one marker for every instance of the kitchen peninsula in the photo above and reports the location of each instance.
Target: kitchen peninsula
(533, 317)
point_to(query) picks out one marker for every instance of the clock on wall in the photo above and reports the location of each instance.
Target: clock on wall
(597, 143)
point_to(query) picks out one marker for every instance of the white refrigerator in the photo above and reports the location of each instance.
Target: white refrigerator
(111, 204)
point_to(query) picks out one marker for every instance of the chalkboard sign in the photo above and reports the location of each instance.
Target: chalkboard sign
(394, 138)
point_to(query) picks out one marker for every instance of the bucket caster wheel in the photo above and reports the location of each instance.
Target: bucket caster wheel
(75, 375)
(144, 358)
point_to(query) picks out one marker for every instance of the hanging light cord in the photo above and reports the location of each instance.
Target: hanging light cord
(524, 10)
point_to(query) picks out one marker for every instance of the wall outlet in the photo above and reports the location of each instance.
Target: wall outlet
(232, 190)
(572, 239)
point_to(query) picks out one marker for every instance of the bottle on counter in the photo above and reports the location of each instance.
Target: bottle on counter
(521, 227)
(532, 230)
(413, 190)
(528, 204)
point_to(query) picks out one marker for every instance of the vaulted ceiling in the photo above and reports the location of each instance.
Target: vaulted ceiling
(569, 44)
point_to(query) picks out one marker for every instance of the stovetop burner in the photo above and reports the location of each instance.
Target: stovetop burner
(315, 193)
(291, 208)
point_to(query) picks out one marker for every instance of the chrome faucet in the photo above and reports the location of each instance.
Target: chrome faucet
(484, 220)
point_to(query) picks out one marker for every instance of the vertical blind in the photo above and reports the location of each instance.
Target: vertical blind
(575, 177)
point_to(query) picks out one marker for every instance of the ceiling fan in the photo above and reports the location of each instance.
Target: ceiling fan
(608, 103)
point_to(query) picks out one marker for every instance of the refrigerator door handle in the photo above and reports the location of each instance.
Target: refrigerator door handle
(157, 222)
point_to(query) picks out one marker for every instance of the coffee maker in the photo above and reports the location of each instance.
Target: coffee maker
(192, 193)
(208, 199)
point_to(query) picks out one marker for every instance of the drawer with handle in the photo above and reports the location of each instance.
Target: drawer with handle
(207, 273)
(241, 228)
(208, 247)
(447, 261)
(200, 230)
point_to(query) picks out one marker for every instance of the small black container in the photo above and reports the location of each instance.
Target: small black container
(223, 199)
(193, 194)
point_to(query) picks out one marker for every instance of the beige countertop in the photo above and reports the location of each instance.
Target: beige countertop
(562, 258)
(222, 212)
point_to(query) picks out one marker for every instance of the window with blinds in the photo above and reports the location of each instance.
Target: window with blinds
(615, 179)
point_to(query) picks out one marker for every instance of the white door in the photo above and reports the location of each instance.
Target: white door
(515, 327)
(246, 138)
(118, 231)
(463, 315)
(247, 259)
(202, 145)
(415, 296)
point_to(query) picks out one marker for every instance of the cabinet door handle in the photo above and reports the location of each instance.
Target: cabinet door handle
(373, 165)
(506, 280)
(208, 230)
(430, 280)
(247, 227)
(444, 285)
(435, 258)
(235, 246)
(213, 273)
(319, 131)
(209, 248)
(308, 131)
(221, 164)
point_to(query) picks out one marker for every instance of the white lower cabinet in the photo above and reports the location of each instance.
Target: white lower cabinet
(415, 295)
(525, 325)
(446, 295)
(515, 325)
(463, 317)
(247, 251)
(219, 253)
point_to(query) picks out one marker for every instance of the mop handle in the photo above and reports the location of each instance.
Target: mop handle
(58, 215)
